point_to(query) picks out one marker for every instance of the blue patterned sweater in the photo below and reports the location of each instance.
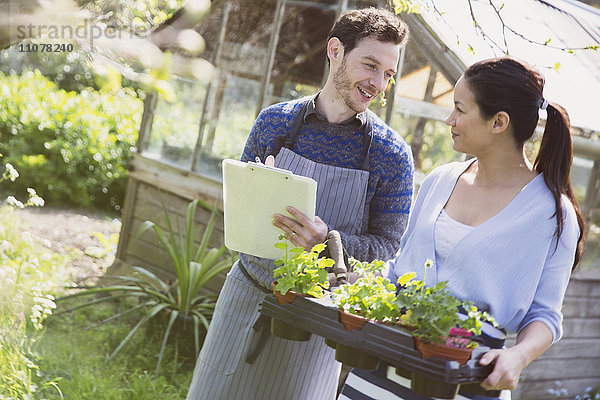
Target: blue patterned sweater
(390, 187)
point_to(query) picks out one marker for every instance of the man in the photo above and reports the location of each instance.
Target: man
(364, 172)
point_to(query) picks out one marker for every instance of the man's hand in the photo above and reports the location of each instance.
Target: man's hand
(302, 232)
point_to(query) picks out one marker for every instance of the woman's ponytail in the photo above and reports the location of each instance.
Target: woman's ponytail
(554, 161)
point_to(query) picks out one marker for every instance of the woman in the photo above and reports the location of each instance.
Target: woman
(505, 234)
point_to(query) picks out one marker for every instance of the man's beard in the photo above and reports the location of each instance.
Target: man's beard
(345, 87)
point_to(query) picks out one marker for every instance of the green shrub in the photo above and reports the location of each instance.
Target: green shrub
(73, 147)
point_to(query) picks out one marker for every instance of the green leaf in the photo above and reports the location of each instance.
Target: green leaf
(163, 346)
(155, 310)
(285, 284)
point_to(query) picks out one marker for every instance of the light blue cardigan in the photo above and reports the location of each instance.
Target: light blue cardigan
(509, 265)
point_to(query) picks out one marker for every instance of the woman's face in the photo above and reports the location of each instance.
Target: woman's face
(470, 131)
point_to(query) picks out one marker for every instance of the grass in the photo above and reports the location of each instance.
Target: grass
(76, 356)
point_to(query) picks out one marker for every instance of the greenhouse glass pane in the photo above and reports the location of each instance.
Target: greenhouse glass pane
(175, 125)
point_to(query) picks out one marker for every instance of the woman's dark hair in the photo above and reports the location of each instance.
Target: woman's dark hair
(506, 84)
(377, 23)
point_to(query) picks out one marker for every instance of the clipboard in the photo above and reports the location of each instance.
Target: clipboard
(252, 193)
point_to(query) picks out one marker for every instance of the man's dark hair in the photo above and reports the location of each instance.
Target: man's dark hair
(376, 23)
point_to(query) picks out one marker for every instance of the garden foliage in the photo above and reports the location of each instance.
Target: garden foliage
(28, 274)
(195, 265)
(73, 147)
(301, 271)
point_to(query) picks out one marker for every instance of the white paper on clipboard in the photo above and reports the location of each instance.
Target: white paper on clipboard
(252, 193)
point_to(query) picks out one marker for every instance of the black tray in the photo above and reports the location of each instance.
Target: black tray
(390, 344)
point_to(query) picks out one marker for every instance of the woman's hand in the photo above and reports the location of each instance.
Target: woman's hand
(507, 369)
(532, 341)
(301, 231)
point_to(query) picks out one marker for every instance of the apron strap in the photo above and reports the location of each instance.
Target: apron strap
(288, 139)
(253, 281)
(367, 140)
(263, 322)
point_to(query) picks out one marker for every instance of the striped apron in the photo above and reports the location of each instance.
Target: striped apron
(284, 369)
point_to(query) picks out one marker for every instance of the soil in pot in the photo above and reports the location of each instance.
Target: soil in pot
(286, 331)
(433, 388)
(430, 349)
(351, 357)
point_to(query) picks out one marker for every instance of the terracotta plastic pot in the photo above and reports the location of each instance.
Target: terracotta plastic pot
(286, 331)
(287, 298)
(409, 328)
(433, 388)
(354, 358)
(351, 321)
(431, 349)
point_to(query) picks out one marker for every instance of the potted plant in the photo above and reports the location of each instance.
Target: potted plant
(370, 297)
(432, 313)
(194, 265)
(298, 272)
(438, 329)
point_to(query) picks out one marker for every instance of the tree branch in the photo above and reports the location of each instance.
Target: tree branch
(495, 46)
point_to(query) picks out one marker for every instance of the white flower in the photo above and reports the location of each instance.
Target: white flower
(14, 202)
(5, 245)
(27, 237)
(37, 201)
(428, 263)
(10, 172)
(34, 199)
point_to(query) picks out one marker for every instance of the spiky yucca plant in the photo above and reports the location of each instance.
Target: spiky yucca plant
(194, 265)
